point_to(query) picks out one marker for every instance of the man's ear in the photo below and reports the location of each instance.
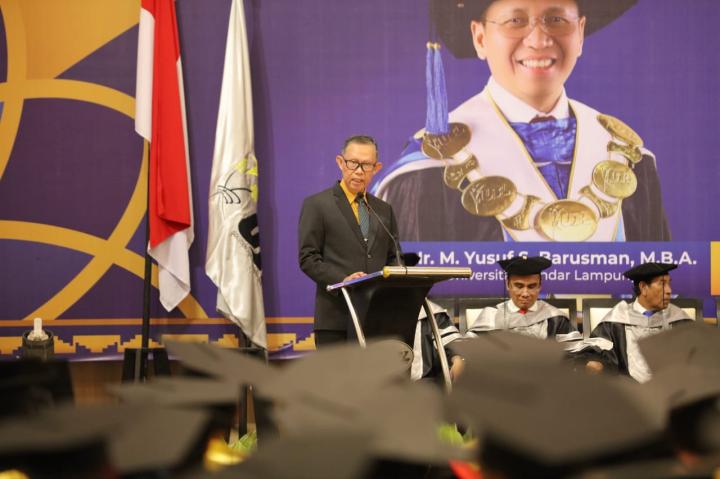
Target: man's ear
(477, 29)
(339, 160)
(581, 32)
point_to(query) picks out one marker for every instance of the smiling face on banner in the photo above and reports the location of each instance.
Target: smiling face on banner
(531, 46)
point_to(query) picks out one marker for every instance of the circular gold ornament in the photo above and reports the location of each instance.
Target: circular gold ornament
(455, 174)
(445, 146)
(620, 130)
(566, 220)
(489, 196)
(614, 179)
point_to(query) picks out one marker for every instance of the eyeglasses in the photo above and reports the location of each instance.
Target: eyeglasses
(521, 26)
(353, 165)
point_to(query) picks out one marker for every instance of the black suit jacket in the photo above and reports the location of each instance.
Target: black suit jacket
(331, 247)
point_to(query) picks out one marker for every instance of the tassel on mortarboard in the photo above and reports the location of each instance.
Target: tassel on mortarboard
(441, 139)
(436, 121)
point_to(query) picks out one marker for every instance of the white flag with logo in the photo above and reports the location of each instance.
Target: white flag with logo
(233, 253)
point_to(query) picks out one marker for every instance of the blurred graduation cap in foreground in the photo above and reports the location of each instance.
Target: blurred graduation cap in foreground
(691, 343)
(178, 391)
(348, 388)
(330, 455)
(508, 347)
(685, 361)
(537, 417)
(102, 441)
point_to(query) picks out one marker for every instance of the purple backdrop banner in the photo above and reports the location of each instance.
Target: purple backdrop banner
(71, 222)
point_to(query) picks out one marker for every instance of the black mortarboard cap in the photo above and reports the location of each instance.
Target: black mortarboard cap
(316, 390)
(525, 265)
(452, 19)
(508, 347)
(692, 395)
(690, 343)
(137, 438)
(554, 418)
(221, 362)
(647, 271)
(178, 391)
(29, 385)
(404, 419)
(52, 444)
(338, 372)
(315, 455)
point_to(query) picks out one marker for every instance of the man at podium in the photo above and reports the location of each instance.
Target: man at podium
(345, 233)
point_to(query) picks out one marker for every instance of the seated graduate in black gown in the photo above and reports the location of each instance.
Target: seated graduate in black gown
(627, 323)
(426, 362)
(523, 313)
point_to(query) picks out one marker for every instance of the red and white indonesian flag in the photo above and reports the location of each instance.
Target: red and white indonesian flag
(160, 119)
(233, 253)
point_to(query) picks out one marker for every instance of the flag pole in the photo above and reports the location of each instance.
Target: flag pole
(135, 360)
(141, 366)
(159, 82)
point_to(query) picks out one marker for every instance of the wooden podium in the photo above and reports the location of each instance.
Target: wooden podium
(388, 302)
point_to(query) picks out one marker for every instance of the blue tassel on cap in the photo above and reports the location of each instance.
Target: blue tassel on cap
(436, 122)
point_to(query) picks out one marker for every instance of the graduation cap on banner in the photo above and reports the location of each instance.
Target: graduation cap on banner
(452, 19)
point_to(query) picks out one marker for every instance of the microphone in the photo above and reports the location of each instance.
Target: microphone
(398, 257)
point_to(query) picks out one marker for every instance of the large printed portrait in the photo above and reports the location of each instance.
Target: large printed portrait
(520, 160)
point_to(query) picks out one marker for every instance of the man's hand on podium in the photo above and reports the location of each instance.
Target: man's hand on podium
(356, 275)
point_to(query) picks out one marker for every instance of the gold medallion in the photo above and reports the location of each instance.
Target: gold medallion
(566, 220)
(605, 208)
(614, 179)
(620, 130)
(454, 174)
(489, 196)
(445, 146)
(521, 220)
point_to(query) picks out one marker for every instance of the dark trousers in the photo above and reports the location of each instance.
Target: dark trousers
(325, 337)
